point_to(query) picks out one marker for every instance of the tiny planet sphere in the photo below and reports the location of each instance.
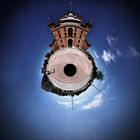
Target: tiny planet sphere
(69, 69)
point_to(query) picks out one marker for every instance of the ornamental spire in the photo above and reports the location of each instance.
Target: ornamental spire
(71, 6)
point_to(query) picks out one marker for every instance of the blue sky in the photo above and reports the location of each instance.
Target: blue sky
(28, 112)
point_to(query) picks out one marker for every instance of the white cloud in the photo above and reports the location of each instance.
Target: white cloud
(97, 102)
(133, 52)
(79, 101)
(69, 103)
(108, 56)
(103, 82)
(111, 40)
(119, 53)
(108, 87)
(95, 54)
(66, 104)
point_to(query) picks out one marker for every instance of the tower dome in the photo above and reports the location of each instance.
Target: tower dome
(70, 17)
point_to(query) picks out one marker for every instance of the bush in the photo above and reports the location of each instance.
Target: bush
(99, 75)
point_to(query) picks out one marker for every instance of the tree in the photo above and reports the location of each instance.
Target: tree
(99, 75)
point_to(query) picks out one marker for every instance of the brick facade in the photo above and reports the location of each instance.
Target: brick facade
(70, 32)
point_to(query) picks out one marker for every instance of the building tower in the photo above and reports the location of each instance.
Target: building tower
(69, 69)
(70, 32)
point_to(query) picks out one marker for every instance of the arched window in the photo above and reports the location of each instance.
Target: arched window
(70, 31)
(70, 41)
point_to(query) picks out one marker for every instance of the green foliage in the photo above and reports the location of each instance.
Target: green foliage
(99, 75)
